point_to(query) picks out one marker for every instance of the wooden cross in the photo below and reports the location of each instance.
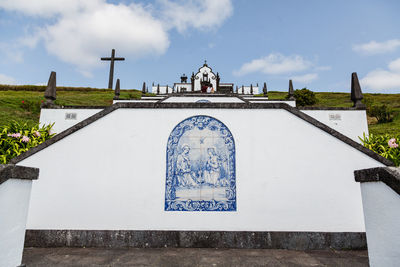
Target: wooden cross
(112, 59)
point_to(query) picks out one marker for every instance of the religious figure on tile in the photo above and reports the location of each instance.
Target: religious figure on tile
(183, 168)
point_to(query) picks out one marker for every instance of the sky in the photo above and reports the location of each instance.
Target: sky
(316, 43)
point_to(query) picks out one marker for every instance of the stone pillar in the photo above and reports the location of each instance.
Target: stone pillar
(144, 88)
(51, 91)
(192, 81)
(117, 90)
(15, 190)
(291, 91)
(356, 94)
(265, 91)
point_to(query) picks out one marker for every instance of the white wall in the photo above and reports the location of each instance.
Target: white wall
(216, 99)
(60, 118)
(352, 123)
(291, 176)
(14, 202)
(135, 101)
(163, 89)
(247, 90)
(290, 103)
(382, 222)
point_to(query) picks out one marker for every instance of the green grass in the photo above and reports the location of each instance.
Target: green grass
(12, 96)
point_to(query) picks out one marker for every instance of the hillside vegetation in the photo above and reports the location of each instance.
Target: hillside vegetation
(22, 103)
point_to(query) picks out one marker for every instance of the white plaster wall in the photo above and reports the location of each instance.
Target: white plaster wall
(256, 97)
(247, 91)
(163, 89)
(58, 117)
(195, 99)
(178, 87)
(14, 203)
(382, 222)
(135, 101)
(290, 103)
(291, 176)
(352, 123)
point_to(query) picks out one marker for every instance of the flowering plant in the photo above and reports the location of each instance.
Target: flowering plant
(17, 138)
(384, 145)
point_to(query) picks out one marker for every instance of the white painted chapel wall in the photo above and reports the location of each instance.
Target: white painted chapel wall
(178, 99)
(14, 203)
(382, 218)
(352, 123)
(64, 118)
(290, 175)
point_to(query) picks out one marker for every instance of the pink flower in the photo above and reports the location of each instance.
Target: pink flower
(16, 135)
(392, 143)
(9, 134)
(37, 134)
(25, 139)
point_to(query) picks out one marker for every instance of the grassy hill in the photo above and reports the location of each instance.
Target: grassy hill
(22, 103)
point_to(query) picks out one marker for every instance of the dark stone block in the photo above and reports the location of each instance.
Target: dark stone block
(195, 239)
(11, 171)
(387, 175)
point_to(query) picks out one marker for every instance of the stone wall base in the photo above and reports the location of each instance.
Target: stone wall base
(196, 239)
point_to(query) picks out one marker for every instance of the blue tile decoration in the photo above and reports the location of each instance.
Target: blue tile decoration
(201, 173)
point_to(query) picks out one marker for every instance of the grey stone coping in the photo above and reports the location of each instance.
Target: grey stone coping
(332, 108)
(388, 175)
(77, 107)
(11, 171)
(196, 239)
(163, 105)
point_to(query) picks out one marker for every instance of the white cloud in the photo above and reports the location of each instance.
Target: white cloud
(82, 39)
(199, 14)
(380, 79)
(48, 8)
(4, 79)
(81, 31)
(323, 68)
(306, 78)
(12, 52)
(374, 47)
(274, 64)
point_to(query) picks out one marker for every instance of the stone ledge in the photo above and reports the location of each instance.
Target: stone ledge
(388, 175)
(11, 171)
(196, 239)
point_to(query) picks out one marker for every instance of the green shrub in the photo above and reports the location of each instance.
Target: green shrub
(385, 145)
(304, 97)
(382, 113)
(17, 138)
(31, 106)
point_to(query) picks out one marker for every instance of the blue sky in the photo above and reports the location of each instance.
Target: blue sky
(317, 43)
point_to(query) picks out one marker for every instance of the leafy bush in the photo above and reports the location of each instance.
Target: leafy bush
(305, 97)
(16, 138)
(31, 106)
(385, 145)
(382, 113)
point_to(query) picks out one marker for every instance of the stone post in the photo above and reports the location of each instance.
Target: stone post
(291, 91)
(144, 88)
(15, 191)
(265, 91)
(51, 91)
(356, 94)
(117, 90)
